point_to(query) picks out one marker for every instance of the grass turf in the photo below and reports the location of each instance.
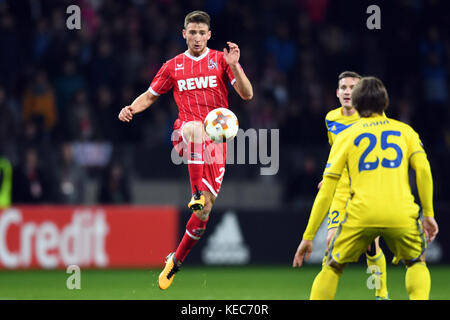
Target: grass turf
(206, 283)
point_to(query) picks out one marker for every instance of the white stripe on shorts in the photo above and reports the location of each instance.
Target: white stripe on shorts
(209, 187)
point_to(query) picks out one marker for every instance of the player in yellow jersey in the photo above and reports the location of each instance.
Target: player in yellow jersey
(337, 121)
(378, 152)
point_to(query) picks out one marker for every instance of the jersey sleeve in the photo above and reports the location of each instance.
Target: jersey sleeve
(162, 82)
(333, 170)
(229, 74)
(414, 144)
(329, 134)
(320, 207)
(419, 162)
(337, 158)
(424, 181)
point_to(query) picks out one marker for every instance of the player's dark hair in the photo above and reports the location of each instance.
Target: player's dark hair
(370, 96)
(348, 74)
(197, 16)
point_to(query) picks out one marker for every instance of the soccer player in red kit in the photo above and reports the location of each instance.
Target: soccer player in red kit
(199, 78)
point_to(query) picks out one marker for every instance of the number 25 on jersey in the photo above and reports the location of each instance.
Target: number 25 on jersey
(387, 163)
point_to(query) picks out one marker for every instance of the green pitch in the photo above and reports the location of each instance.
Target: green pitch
(207, 283)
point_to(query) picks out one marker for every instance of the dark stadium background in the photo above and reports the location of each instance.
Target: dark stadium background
(292, 51)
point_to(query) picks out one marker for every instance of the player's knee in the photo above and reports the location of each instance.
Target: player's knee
(337, 267)
(410, 263)
(209, 202)
(204, 213)
(194, 131)
(208, 205)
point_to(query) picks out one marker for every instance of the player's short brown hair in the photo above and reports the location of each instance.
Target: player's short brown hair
(348, 74)
(197, 16)
(370, 96)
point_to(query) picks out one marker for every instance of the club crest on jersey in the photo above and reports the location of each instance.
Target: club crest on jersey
(212, 65)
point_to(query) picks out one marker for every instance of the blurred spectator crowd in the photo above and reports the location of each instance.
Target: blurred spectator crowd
(61, 90)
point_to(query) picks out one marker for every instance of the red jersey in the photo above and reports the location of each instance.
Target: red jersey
(200, 84)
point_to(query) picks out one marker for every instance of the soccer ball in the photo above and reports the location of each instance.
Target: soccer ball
(221, 124)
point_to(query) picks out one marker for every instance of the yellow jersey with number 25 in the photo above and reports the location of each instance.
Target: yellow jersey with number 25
(377, 151)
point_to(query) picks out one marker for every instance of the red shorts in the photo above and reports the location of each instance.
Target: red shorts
(214, 157)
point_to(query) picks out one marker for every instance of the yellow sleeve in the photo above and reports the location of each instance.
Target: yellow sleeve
(329, 134)
(320, 207)
(335, 165)
(338, 157)
(330, 138)
(414, 143)
(424, 181)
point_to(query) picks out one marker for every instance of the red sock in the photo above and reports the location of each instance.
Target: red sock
(195, 164)
(194, 230)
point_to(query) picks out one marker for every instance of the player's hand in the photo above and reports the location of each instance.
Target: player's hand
(320, 184)
(303, 253)
(126, 114)
(232, 56)
(430, 227)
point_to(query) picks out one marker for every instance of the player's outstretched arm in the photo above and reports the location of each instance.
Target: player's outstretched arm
(318, 213)
(242, 85)
(320, 207)
(141, 103)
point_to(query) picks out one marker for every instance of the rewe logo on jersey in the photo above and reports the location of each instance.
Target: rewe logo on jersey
(197, 83)
(226, 244)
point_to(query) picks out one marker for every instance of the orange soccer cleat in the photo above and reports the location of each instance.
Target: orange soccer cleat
(166, 276)
(197, 201)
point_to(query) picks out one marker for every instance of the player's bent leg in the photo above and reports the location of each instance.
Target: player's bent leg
(209, 202)
(195, 228)
(376, 262)
(194, 134)
(347, 245)
(418, 279)
(409, 244)
(326, 282)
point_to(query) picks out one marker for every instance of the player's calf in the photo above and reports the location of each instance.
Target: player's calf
(417, 280)
(376, 263)
(194, 134)
(195, 228)
(326, 282)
